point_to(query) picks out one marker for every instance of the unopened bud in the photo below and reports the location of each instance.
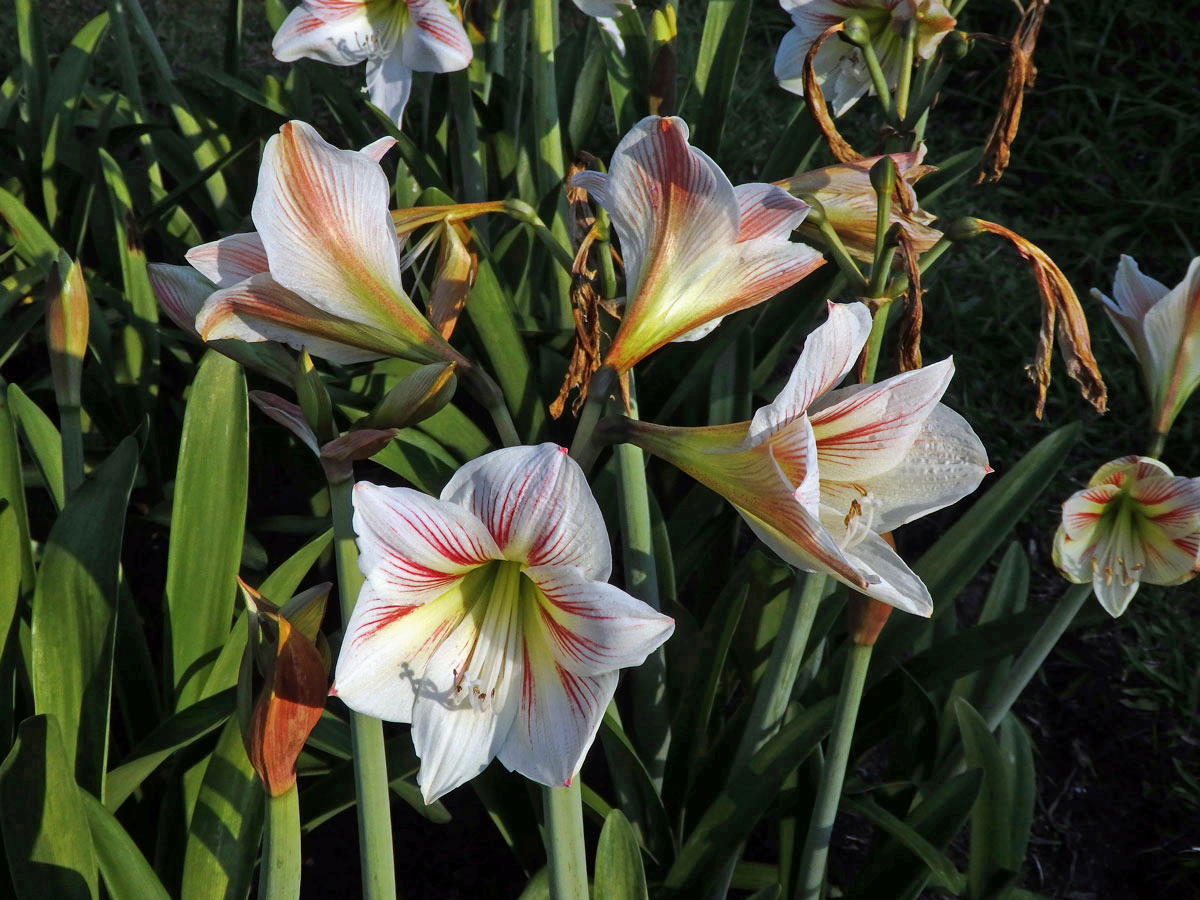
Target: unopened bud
(314, 398)
(855, 30)
(414, 398)
(67, 328)
(963, 229)
(956, 45)
(816, 211)
(884, 175)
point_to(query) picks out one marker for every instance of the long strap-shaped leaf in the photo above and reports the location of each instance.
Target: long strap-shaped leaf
(127, 875)
(74, 614)
(207, 522)
(46, 838)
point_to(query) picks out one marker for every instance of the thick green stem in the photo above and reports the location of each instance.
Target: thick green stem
(370, 766)
(652, 720)
(566, 856)
(833, 774)
(488, 393)
(878, 81)
(906, 69)
(69, 418)
(584, 446)
(1157, 442)
(845, 262)
(775, 688)
(279, 874)
(1035, 653)
(875, 341)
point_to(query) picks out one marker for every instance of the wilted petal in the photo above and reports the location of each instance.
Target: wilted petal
(287, 414)
(231, 259)
(260, 309)
(412, 548)
(536, 504)
(435, 40)
(339, 41)
(829, 353)
(865, 429)
(592, 627)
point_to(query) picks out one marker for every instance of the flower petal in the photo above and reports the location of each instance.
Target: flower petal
(386, 650)
(377, 149)
(892, 581)
(829, 353)
(1114, 592)
(260, 309)
(322, 214)
(592, 627)
(181, 292)
(1135, 293)
(287, 414)
(231, 259)
(604, 9)
(864, 430)
(338, 42)
(413, 548)
(946, 462)
(536, 504)
(435, 40)
(1169, 504)
(766, 210)
(389, 84)
(1172, 329)
(558, 716)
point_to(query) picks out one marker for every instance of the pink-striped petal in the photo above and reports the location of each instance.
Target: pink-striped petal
(865, 430)
(794, 449)
(386, 650)
(377, 149)
(434, 40)
(592, 627)
(766, 210)
(260, 309)
(232, 259)
(413, 548)
(1084, 509)
(340, 41)
(1171, 505)
(322, 214)
(536, 504)
(829, 353)
(181, 292)
(557, 718)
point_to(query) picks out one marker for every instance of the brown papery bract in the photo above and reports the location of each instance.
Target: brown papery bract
(815, 100)
(1021, 75)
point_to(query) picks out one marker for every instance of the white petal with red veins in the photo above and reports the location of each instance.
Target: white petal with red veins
(767, 210)
(412, 547)
(341, 42)
(434, 40)
(592, 627)
(894, 582)
(232, 259)
(181, 292)
(536, 504)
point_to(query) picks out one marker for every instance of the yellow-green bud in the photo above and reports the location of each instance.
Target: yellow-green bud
(314, 399)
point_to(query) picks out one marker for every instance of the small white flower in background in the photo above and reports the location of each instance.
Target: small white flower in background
(839, 66)
(695, 247)
(1134, 522)
(606, 13)
(822, 472)
(486, 619)
(394, 38)
(1162, 327)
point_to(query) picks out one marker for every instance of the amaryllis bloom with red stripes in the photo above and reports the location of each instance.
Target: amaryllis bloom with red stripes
(1162, 327)
(394, 38)
(822, 472)
(839, 66)
(322, 270)
(1134, 522)
(486, 620)
(695, 247)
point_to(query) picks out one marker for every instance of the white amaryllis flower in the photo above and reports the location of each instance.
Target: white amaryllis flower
(1162, 327)
(323, 268)
(1134, 522)
(695, 247)
(394, 38)
(822, 472)
(839, 66)
(485, 619)
(606, 13)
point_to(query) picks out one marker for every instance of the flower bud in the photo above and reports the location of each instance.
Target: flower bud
(884, 175)
(413, 398)
(314, 399)
(855, 30)
(66, 328)
(963, 229)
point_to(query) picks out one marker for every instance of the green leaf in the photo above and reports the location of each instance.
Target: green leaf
(17, 576)
(281, 585)
(991, 817)
(589, 90)
(74, 614)
(43, 441)
(207, 520)
(720, 50)
(226, 826)
(33, 242)
(635, 785)
(127, 875)
(46, 838)
(35, 62)
(175, 733)
(945, 875)
(1017, 750)
(619, 872)
(746, 796)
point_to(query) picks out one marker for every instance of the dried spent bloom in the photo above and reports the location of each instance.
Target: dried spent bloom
(394, 38)
(821, 473)
(486, 621)
(1162, 328)
(839, 66)
(1134, 522)
(695, 247)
